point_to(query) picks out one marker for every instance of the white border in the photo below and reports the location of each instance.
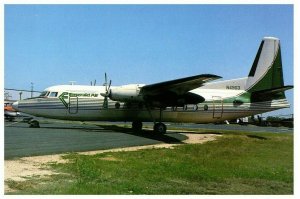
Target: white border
(296, 83)
(149, 2)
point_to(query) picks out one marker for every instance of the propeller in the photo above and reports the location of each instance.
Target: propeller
(94, 83)
(107, 92)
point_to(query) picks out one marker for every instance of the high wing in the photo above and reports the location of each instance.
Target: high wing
(178, 86)
(175, 92)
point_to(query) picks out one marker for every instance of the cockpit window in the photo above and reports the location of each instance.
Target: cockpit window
(53, 94)
(44, 94)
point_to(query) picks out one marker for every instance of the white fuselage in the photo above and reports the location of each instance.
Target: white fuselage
(85, 103)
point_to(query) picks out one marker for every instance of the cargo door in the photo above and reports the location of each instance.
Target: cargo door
(217, 107)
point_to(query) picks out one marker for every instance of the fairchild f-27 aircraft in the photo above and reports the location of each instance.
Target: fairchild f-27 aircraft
(192, 99)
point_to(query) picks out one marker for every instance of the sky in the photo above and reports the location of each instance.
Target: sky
(54, 44)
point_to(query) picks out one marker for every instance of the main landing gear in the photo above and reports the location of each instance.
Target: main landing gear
(137, 126)
(158, 127)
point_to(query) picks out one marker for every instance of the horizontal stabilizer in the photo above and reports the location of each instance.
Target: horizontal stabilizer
(273, 90)
(270, 93)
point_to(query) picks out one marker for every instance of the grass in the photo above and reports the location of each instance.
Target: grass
(241, 163)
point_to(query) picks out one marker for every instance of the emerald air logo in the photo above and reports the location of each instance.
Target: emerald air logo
(65, 97)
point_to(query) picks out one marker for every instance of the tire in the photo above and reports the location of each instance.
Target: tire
(34, 124)
(137, 126)
(160, 128)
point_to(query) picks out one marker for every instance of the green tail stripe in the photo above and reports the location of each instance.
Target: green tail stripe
(273, 78)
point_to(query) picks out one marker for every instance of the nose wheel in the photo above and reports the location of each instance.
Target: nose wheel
(34, 124)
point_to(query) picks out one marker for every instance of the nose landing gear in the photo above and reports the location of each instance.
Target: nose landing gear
(34, 124)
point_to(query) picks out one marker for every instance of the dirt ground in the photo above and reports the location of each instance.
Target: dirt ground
(20, 169)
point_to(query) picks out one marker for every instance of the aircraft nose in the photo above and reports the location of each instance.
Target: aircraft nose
(15, 105)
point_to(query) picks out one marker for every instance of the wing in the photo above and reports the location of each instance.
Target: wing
(178, 86)
(176, 92)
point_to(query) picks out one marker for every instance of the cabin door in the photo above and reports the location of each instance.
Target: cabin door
(217, 107)
(73, 105)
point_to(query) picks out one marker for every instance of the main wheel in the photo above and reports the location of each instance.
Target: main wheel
(137, 126)
(160, 128)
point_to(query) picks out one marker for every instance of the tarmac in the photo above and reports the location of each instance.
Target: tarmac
(58, 137)
(66, 137)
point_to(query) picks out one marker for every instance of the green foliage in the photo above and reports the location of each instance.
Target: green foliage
(234, 164)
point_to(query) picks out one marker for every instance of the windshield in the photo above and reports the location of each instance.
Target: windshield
(44, 94)
(53, 94)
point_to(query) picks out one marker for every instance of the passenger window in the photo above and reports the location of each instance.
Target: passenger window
(53, 94)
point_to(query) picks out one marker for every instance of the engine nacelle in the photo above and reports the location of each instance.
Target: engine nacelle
(126, 93)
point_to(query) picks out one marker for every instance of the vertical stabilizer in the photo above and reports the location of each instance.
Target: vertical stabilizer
(266, 72)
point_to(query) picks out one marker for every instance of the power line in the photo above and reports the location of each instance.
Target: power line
(12, 89)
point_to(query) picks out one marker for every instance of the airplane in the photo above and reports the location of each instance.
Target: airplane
(194, 99)
(9, 112)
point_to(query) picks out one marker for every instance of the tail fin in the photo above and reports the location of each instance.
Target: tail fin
(266, 72)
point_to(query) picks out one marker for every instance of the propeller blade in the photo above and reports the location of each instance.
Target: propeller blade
(105, 81)
(109, 84)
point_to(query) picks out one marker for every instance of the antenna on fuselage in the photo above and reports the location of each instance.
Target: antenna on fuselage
(72, 82)
(94, 83)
